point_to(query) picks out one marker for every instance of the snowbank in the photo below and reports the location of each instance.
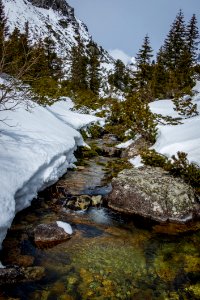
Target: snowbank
(73, 119)
(173, 138)
(34, 153)
(184, 137)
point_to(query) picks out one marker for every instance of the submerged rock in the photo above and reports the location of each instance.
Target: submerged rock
(97, 200)
(83, 202)
(14, 274)
(153, 193)
(48, 235)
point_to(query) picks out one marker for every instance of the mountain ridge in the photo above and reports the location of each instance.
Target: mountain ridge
(55, 19)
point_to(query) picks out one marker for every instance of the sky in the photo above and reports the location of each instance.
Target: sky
(120, 26)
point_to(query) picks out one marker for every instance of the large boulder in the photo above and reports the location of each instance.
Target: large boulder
(153, 193)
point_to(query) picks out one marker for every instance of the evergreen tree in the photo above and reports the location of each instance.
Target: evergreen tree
(160, 77)
(141, 119)
(143, 59)
(120, 77)
(175, 41)
(192, 38)
(79, 62)
(53, 61)
(3, 32)
(93, 68)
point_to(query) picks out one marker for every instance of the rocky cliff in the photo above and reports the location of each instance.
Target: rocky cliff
(55, 19)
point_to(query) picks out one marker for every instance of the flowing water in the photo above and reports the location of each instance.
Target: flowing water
(109, 256)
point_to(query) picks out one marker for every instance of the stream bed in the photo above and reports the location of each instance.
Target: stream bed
(109, 256)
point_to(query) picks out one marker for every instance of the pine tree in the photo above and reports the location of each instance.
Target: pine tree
(93, 68)
(175, 43)
(192, 38)
(79, 62)
(3, 32)
(143, 59)
(53, 61)
(160, 77)
(140, 118)
(119, 78)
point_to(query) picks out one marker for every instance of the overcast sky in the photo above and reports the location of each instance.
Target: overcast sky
(122, 24)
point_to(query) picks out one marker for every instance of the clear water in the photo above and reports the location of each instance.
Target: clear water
(108, 257)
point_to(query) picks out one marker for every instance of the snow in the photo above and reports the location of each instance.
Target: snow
(66, 226)
(35, 150)
(136, 161)
(120, 54)
(125, 144)
(184, 137)
(63, 29)
(75, 120)
(164, 108)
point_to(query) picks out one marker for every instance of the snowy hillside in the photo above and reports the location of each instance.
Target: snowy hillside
(35, 152)
(51, 18)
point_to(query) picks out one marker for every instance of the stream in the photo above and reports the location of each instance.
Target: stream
(109, 256)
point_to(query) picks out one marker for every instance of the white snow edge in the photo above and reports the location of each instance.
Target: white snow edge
(66, 226)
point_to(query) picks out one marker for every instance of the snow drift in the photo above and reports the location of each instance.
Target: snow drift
(184, 137)
(35, 150)
(173, 138)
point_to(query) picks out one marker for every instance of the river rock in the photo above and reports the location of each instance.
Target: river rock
(153, 193)
(97, 200)
(110, 151)
(48, 235)
(81, 202)
(14, 274)
(135, 148)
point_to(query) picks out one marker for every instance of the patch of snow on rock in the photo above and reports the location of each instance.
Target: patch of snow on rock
(66, 226)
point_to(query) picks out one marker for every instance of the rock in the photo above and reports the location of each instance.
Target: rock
(33, 273)
(14, 257)
(80, 168)
(135, 148)
(59, 5)
(110, 137)
(14, 274)
(153, 193)
(48, 235)
(97, 200)
(110, 151)
(81, 202)
(10, 275)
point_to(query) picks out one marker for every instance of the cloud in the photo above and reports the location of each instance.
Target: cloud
(119, 54)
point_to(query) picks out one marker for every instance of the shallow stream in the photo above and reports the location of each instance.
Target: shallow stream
(109, 256)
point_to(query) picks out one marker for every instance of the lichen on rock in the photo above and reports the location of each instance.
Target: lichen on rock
(155, 194)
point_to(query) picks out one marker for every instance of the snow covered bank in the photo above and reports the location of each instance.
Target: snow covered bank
(34, 153)
(184, 137)
(173, 138)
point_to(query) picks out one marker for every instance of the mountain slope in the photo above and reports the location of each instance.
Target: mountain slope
(55, 19)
